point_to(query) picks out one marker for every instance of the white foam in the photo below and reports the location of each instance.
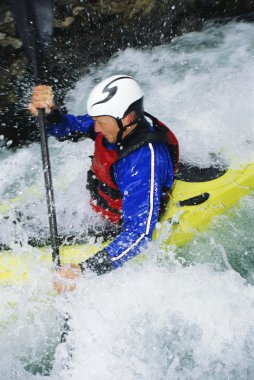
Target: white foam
(155, 323)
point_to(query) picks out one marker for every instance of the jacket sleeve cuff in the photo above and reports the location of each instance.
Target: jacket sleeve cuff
(55, 116)
(100, 263)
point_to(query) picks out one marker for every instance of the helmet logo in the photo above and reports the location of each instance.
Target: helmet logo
(111, 91)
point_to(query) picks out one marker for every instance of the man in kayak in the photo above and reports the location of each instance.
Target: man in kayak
(132, 169)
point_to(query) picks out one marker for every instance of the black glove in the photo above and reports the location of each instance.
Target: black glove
(100, 263)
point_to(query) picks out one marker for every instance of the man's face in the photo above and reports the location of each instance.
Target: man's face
(108, 126)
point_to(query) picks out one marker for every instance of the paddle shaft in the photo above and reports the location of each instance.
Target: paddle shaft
(34, 22)
(49, 188)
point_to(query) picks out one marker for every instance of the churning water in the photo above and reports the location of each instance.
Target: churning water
(191, 317)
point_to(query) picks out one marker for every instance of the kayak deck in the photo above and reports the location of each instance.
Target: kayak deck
(206, 200)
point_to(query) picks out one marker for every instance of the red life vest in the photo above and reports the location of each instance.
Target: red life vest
(106, 197)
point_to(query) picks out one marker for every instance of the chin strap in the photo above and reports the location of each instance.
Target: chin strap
(123, 128)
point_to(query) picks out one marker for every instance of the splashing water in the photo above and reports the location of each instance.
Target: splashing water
(190, 317)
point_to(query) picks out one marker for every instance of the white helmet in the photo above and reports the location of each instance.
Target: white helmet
(115, 96)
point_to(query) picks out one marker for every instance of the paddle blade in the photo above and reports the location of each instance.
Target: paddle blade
(34, 22)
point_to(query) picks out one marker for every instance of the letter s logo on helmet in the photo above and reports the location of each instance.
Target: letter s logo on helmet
(114, 97)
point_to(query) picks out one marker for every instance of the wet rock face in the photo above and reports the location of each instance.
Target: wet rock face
(87, 32)
(225, 8)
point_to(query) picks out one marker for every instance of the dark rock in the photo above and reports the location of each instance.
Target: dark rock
(225, 8)
(87, 32)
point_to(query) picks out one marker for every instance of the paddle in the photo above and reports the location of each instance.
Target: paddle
(34, 19)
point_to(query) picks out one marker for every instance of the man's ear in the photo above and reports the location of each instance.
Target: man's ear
(129, 118)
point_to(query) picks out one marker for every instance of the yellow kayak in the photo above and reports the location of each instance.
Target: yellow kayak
(191, 208)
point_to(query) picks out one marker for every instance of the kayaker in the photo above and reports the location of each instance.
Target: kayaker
(132, 168)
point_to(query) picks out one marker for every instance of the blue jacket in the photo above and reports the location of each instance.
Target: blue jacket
(141, 177)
